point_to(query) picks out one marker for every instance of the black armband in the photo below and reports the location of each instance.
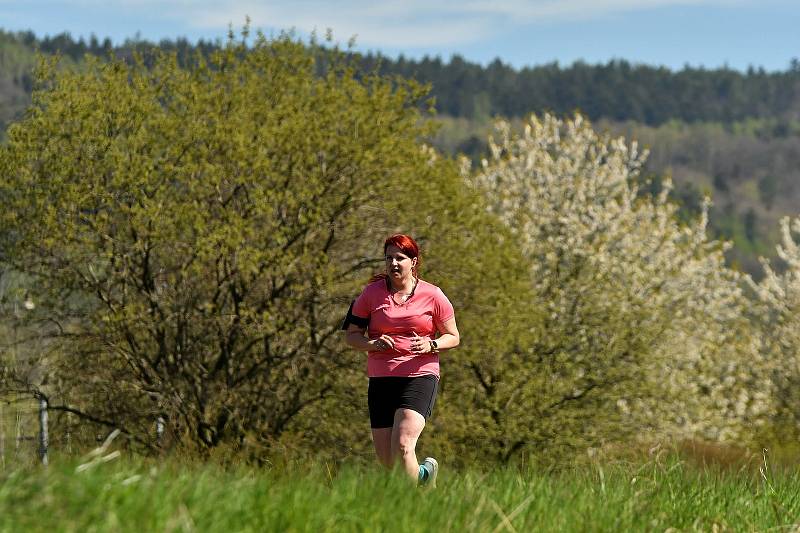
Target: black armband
(353, 319)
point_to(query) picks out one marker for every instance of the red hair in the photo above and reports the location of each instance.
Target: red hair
(407, 245)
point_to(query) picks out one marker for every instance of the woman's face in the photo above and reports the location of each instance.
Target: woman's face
(398, 264)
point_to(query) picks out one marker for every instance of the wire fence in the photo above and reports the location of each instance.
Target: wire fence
(30, 433)
(24, 431)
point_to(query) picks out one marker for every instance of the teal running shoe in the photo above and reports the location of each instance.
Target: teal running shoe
(432, 466)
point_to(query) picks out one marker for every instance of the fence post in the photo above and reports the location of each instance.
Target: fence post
(160, 423)
(68, 436)
(17, 430)
(2, 437)
(43, 430)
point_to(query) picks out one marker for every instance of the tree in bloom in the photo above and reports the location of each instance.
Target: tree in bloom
(631, 320)
(778, 317)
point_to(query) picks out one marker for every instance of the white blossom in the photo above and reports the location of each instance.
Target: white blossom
(634, 299)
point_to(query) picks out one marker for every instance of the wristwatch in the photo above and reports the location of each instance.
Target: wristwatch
(434, 347)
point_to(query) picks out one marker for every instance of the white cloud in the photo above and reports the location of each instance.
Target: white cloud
(385, 25)
(392, 23)
(415, 23)
(547, 10)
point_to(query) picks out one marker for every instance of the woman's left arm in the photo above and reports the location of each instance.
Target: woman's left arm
(449, 337)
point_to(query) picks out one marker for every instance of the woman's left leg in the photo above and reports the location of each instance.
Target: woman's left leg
(408, 425)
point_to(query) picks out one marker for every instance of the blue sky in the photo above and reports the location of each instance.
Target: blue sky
(709, 33)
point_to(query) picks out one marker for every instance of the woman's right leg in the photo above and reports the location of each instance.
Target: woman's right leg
(382, 439)
(380, 398)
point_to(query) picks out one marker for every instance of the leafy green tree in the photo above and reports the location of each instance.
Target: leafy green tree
(194, 235)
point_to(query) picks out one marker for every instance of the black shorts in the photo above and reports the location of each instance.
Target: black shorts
(388, 394)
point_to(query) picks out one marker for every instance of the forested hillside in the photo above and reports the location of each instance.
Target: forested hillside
(617, 90)
(732, 135)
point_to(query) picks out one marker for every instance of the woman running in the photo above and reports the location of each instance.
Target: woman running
(407, 322)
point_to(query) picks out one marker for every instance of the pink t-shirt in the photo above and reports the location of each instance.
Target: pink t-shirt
(422, 314)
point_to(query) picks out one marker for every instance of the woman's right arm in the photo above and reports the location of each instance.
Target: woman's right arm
(355, 338)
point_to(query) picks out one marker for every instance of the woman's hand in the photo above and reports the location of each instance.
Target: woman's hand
(384, 342)
(420, 345)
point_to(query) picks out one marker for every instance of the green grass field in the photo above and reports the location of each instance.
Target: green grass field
(135, 495)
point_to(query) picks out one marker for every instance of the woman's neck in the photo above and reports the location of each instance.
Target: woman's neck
(404, 285)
